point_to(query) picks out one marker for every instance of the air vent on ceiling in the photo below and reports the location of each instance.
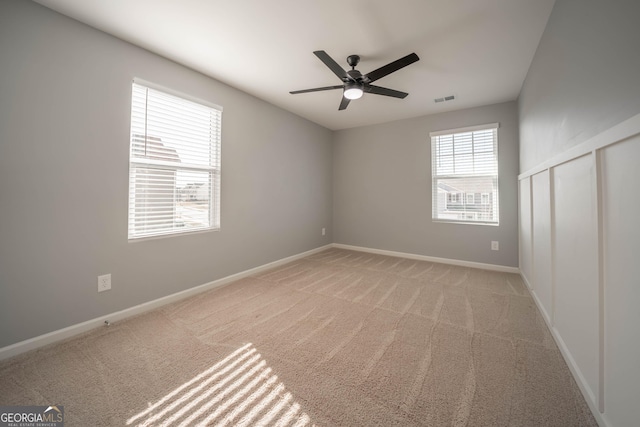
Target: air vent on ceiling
(445, 98)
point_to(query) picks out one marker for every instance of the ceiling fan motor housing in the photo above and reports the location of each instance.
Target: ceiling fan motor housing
(355, 75)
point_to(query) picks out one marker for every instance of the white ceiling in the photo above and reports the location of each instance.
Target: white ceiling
(477, 50)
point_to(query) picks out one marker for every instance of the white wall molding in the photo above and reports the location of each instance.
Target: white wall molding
(483, 266)
(71, 331)
(618, 133)
(597, 206)
(592, 233)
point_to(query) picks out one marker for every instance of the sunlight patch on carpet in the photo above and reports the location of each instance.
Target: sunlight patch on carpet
(239, 390)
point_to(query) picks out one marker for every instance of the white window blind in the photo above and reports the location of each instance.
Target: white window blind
(174, 164)
(465, 175)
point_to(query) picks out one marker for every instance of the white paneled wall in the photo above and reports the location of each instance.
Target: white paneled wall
(541, 214)
(526, 242)
(621, 232)
(580, 256)
(575, 262)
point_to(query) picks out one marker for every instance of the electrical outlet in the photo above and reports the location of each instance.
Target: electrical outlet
(495, 246)
(324, 231)
(104, 282)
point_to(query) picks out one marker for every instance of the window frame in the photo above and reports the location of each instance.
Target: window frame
(137, 163)
(478, 204)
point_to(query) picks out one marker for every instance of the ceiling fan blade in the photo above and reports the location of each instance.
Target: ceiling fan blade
(333, 65)
(391, 67)
(344, 103)
(384, 91)
(317, 89)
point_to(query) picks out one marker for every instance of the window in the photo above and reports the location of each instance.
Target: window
(174, 164)
(465, 163)
(453, 199)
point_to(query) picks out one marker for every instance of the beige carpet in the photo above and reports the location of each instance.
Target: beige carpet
(338, 338)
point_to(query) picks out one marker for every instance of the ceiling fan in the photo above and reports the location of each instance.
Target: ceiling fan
(354, 83)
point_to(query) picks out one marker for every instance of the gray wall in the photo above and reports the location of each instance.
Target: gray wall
(583, 79)
(382, 188)
(64, 138)
(580, 251)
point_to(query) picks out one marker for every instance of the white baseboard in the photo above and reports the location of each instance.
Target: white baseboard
(586, 391)
(73, 330)
(482, 266)
(526, 281)
(68, 332)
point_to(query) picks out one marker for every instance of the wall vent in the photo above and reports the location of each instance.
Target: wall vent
(445, 98)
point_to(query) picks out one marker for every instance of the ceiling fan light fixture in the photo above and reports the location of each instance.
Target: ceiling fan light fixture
(353, 91)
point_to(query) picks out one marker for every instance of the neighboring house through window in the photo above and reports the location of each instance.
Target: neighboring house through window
(174, 164)
(465, 175)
